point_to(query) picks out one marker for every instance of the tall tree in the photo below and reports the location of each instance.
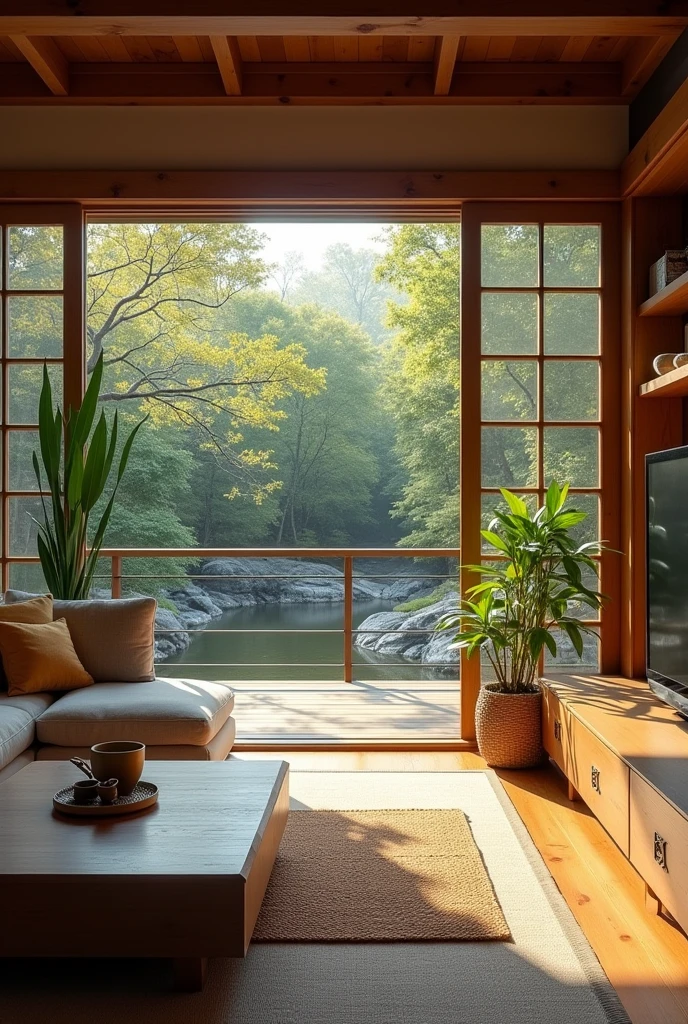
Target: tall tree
(421, 386)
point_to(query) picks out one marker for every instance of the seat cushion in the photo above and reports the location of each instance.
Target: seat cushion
(112, 639)
(217, 749)
(18, 723)
(161, 712)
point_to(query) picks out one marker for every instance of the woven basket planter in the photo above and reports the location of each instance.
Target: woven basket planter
(509, 728)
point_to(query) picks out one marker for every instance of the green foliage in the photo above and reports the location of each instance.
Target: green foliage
(421, 378)
(418, 603)
(63, 535)
(525, 594)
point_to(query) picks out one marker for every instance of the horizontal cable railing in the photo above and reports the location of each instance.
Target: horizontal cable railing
(348, 579)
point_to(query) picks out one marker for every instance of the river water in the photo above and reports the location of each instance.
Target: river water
(316, 655)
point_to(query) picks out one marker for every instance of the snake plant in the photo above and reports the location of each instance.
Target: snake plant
(76, 468)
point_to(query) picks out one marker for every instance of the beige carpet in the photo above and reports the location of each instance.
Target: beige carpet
(545, 974)
(379, 876)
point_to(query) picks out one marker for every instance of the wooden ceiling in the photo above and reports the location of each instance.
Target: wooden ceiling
(183, 51)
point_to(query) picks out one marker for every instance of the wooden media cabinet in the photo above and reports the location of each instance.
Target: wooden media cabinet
(625, 753)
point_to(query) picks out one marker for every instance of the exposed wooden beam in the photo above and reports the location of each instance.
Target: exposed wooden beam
(642, 59)
(658, 163)
(315, 83)
(343, 17)
(446, 49)
(298, 190)
(47, 60)
(226, 50)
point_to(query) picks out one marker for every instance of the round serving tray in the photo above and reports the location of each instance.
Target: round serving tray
(144, 795)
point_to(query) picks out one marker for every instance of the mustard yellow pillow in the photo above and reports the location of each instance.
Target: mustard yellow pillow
(38, 609)
(40, 657)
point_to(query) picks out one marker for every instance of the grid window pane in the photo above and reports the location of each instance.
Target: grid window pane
(509, 390)
(567, 660)
(22, 444)
(25, 382)
(509, 255)
(571, 390)
(589, 529)
(509, 323)
(35, 326)
(571, 454)
(35, 258)
(23, 529)
(571, 255)
(28, 576)
(572, 324)
(509, 457)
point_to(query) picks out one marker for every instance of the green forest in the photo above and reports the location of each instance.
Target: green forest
(293, 407)
(285, 408)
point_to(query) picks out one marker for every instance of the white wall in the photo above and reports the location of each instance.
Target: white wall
(315, 138)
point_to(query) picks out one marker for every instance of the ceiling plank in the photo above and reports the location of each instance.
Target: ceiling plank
(226, 50)
(321, 83)
(446, 49)
(643, 58)
(344, 17)
(661, 155)
(47, 60)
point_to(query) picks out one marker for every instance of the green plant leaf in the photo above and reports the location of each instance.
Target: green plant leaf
(516, 504)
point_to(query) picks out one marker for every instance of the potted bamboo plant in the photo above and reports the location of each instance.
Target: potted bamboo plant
(77, 463)
(513, 614)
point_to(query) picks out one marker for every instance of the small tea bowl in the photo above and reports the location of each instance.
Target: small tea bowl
(119, 759)
(85, 791)
(107, 791)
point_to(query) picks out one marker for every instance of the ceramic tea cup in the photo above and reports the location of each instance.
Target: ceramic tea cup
(119, 759)
(85, 791)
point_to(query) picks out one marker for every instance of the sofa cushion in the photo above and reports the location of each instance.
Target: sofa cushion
(35, 609)
(40, 657)
(164, 711)
(18, 723)
(112, 639)
(217, 749)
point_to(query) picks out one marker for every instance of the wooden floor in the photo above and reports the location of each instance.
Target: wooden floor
(645, 957)
(293, 713)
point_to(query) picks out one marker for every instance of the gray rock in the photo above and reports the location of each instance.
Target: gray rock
(403, 590)
(174, 639)
(279, 581)
(401, 634)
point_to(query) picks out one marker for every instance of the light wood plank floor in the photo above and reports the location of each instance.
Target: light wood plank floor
(645, 957)
(340, 713)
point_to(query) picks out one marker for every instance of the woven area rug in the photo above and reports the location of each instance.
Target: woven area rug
(545, 974)
(379, 876)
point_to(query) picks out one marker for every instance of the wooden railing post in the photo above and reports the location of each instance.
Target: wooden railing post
(348, 618)
(116, 576)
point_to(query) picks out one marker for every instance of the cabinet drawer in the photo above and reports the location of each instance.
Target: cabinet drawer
(602, 779)
(659, 847)
(556, 725)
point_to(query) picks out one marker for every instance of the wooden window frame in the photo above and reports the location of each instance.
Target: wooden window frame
(473, 216)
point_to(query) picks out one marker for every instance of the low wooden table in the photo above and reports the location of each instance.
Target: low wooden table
(184, 879)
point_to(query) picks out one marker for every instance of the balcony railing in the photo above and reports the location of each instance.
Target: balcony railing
(347, 556)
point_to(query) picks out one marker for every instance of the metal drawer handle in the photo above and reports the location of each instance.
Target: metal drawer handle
(557, 729)
(661, 852)
(595, 779)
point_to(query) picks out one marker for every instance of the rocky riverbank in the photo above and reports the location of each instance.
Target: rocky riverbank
(224, 584)
(400, 634)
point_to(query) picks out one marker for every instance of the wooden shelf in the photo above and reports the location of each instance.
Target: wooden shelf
(670, 385)
(670, 301)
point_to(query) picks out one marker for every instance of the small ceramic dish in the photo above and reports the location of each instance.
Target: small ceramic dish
(681, 359)
(85, 791)
(663, 363)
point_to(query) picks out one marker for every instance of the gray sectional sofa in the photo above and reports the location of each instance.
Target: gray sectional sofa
(177, 719)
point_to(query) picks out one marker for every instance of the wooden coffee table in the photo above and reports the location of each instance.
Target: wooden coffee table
(184, 879)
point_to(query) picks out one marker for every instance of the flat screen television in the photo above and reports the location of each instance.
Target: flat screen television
(667, 576)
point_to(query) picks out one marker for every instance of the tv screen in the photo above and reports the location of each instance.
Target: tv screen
(667, 576)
